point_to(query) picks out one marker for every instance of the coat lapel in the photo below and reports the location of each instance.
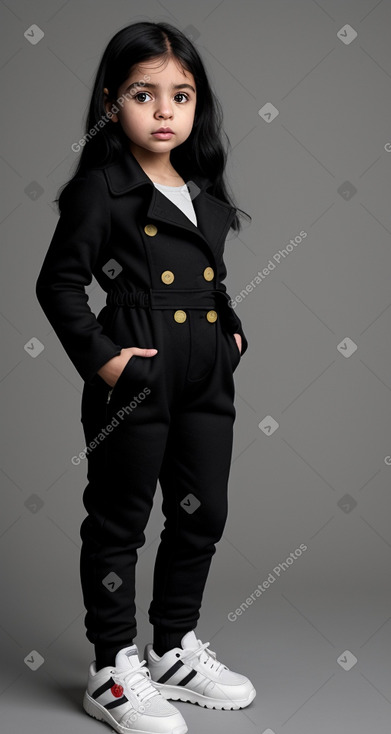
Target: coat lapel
(213, 216)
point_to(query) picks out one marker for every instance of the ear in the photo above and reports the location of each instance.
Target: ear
(107, 104)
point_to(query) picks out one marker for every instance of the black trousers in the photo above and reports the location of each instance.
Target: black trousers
(169, 418)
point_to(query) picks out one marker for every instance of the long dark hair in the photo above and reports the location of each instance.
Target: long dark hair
(203, 151)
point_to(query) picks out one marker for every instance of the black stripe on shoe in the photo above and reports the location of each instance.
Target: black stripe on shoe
(170, 672)
(187, 678)
(102, 689)
(117, 702)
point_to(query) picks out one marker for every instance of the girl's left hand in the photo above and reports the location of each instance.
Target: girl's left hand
(238, 340)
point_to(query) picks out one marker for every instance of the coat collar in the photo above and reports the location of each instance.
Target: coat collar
(214, 216)
(126, 173)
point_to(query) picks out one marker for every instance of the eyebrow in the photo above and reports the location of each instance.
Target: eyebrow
(153, 86)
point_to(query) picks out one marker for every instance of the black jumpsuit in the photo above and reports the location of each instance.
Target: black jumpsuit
(169, 417)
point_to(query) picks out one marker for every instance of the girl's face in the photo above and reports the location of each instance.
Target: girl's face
(156, 96)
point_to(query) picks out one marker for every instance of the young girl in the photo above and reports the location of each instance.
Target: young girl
(147, 214)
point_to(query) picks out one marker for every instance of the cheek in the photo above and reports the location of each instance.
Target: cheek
(188, 119)
(131, 121)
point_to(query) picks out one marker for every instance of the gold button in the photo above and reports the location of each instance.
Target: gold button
(209, 274)
(167, 277)
(180, 316)
(150, 229)
(211, 316)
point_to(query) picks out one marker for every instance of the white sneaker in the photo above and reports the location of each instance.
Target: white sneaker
(124, 697)
(192, 673)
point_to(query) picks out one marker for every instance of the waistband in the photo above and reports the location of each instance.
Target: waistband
(162, 298)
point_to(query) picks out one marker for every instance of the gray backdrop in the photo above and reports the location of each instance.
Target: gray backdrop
(306, 88)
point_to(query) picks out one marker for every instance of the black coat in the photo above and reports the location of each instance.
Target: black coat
(103, 232)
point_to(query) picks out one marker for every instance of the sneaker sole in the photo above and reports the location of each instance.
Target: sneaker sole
(178, 693)
(97, 711)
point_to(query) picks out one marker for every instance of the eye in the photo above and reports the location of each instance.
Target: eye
(182, 94)
(140, 94)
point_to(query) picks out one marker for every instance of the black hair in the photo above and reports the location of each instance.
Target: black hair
(203, 151)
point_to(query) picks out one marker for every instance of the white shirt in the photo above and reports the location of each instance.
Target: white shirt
(179, 195)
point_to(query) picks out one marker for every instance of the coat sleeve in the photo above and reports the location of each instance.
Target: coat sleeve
(233, 321)
(82, 230)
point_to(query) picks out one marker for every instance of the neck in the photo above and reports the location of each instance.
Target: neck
(154, 164)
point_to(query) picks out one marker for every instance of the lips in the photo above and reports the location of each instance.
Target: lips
(163, 135)
(163, 130)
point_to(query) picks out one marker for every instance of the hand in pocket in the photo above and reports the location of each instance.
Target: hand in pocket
(112, 370)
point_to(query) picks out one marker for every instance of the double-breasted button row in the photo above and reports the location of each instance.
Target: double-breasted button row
(181, 316)
(168, 276)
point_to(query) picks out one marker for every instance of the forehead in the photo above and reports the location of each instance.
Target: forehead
(157, 73)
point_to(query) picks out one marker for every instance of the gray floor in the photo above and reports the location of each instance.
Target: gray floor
(300, 686)
(288, 641)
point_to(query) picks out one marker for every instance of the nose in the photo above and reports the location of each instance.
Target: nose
(164, 108)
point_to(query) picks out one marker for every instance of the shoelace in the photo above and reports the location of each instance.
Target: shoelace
(142, 687)
(208, 657)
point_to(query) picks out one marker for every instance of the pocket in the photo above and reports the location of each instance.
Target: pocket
(235, 353)
(114, 390)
